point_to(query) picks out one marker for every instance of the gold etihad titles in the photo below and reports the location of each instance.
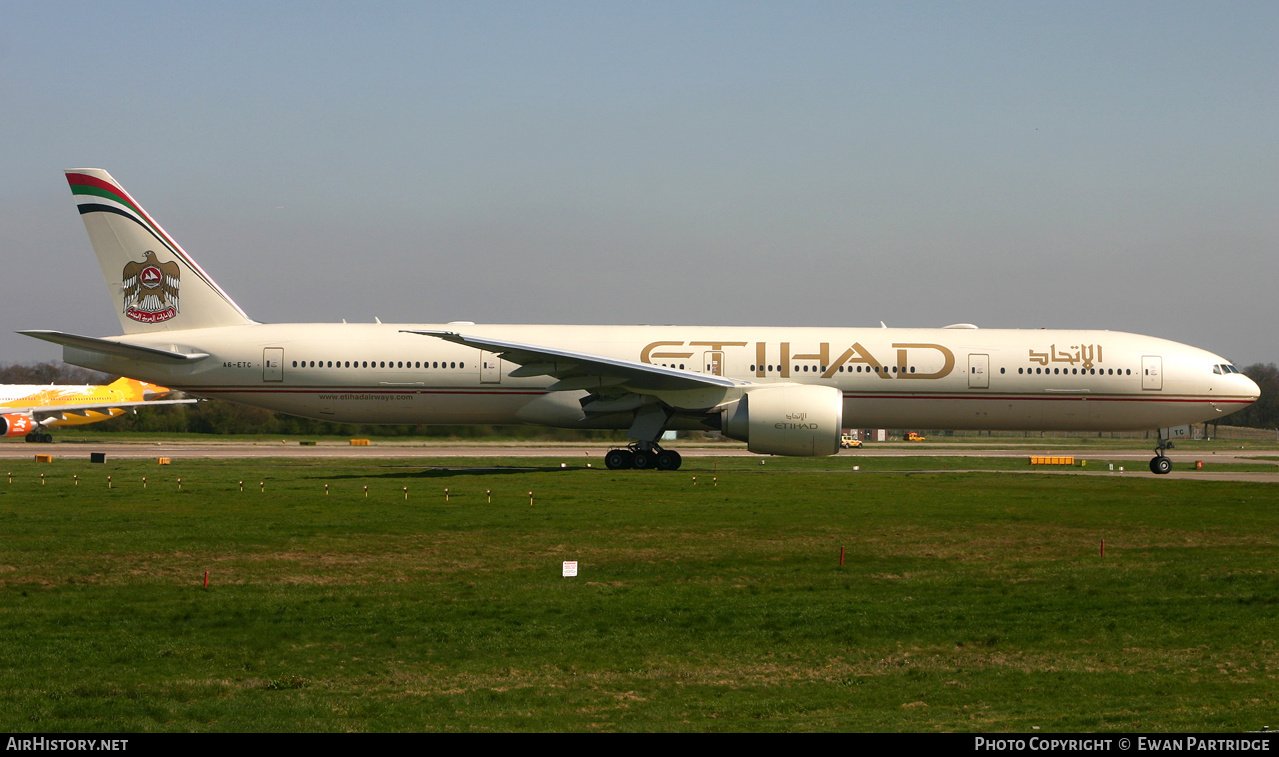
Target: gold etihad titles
(853, 355)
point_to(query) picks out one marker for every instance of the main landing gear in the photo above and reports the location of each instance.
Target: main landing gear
(1159, 463)
(642, 455)
(39, 437)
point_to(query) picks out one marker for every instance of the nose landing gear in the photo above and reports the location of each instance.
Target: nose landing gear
(1159, 463)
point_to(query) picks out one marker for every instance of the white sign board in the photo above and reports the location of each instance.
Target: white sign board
(570, 568)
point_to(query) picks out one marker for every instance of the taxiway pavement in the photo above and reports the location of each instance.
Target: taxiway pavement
(1134, 461)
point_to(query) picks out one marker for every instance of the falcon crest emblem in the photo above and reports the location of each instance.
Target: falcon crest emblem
(150, 289)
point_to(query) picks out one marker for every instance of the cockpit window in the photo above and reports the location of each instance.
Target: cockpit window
(1224, 368)
(1216, 369)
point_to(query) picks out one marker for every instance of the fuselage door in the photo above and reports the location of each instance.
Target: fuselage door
(1152, 372)
(978, 371)
(490, 368)
(273, 364)
(714, 362)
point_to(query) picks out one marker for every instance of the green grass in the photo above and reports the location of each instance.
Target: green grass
(966, 602)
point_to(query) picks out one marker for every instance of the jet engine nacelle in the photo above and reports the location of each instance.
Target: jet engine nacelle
(793, 419)
(13, 424)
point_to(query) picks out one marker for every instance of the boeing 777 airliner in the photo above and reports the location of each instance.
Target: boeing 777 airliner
(784, 391)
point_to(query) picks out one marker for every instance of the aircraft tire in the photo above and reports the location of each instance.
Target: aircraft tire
(668, 460)
(619, 459)
(31, 438)
(642, 460)
(1160, 465)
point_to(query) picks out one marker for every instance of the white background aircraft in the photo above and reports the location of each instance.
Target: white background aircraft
(786, 391)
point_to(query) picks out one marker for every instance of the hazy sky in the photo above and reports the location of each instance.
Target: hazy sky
(1026, 164)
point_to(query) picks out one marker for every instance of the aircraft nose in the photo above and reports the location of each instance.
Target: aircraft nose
(1251, 389)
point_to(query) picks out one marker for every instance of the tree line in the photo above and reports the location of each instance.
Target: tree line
(218, 417)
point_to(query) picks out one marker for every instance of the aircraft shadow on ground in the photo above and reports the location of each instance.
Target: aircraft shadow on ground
(450, 472)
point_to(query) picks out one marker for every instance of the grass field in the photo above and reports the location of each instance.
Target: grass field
(966, 602)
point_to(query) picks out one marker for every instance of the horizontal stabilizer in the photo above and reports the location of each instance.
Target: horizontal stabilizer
(118, 349)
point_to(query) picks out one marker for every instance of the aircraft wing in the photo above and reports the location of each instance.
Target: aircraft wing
(80, 407)
(580, 370)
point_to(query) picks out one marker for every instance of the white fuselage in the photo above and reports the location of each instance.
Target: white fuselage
(958, 378)
(46, 393)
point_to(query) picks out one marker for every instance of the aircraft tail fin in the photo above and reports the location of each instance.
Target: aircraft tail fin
(154, 284)
(133, 390)
(130, 390)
